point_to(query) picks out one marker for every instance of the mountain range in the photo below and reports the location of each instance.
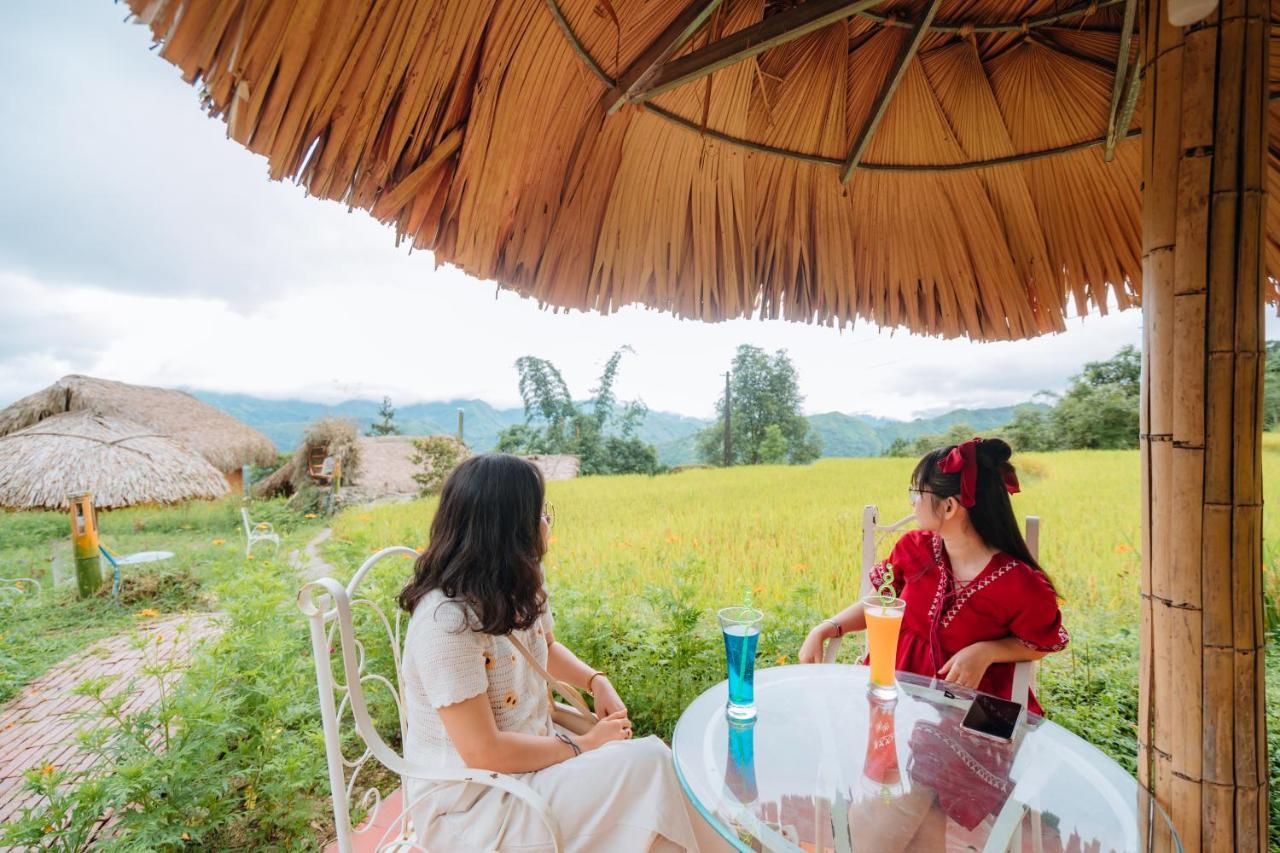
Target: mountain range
(284, 421)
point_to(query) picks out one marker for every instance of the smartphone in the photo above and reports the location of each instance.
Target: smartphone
(992, 717)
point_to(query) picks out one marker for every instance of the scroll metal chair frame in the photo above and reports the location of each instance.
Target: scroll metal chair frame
(21, 590)
(254, 532)
(328, 606)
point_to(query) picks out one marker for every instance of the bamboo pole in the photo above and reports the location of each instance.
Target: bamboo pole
(84, 542)
(1202, 742)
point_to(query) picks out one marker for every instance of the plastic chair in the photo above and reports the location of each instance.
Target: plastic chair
(262, 531)
(874, 534)
(328, 606)
(26, 590)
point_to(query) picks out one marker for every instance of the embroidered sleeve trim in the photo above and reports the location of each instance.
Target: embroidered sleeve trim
(1059, 645)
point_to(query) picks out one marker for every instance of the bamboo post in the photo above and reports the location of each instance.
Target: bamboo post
(460, 440)
(84, 543)
(728, 421)
(1202, 742)
(245, 480)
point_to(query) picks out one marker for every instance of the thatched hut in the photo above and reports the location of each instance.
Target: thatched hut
(122, 463)
(953, 168)
(562, 467)
(226, 443)
(330, 437)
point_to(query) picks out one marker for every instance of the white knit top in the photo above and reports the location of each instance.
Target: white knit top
(446, 662)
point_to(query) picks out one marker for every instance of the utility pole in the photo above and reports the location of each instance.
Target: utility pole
(460, 440)
(728, 420)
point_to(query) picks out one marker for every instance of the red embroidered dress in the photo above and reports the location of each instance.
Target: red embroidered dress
(1008, 597)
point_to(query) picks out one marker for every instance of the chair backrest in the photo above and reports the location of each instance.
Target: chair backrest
(356, 657)
(248, 525)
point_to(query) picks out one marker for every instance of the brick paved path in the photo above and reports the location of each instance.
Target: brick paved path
(38, 725)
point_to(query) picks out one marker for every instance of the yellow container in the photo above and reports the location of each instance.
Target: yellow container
(84, 542)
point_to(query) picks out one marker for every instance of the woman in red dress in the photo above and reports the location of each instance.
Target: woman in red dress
(977, 602)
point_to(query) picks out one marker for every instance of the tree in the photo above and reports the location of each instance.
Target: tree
(387, 425)
(1029, 430)
(604, 440)
(764, 393)
(1271, 395)
(1099, 409)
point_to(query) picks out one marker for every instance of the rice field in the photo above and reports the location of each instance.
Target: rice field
(770, 532)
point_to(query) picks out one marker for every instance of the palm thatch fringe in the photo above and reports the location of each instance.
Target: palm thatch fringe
(122, 463)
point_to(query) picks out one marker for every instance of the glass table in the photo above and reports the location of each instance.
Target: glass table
(826, 768)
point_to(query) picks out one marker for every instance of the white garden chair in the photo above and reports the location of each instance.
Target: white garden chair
(261, 531)
(1006, 834)
(20, 590)
(873, 536)
(328, 606)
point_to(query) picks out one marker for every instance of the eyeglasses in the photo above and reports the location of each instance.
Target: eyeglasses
(913, 494)
(549, 514)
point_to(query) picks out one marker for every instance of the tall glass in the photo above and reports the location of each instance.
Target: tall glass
(884, 624)
(741, 627)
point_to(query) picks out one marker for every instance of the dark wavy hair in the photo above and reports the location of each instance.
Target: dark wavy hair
(992, 511)
(486, 544)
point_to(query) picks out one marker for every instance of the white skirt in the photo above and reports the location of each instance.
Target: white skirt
(622, 797)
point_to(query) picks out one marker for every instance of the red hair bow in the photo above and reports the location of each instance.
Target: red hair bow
(963, 459)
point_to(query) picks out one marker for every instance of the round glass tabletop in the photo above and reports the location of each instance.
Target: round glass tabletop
(826, 768)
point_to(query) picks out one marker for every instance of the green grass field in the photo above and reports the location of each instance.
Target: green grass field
(636, 568)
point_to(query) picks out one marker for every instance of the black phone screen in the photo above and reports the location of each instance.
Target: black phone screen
(992, 717)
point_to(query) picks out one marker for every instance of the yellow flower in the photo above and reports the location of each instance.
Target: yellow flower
(48, 828)
(262, 525)
(219, 542)
(672, 538)
(1123, 548)
(798, 568)
(148, 613)
(364, 517)
(782, 660)
(757, 590)
(186, 836)
(46, 769)
(20, 585)
(310, 515)
(250, 557)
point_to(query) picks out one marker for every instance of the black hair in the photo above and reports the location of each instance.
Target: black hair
(992, 512)
(486, 544)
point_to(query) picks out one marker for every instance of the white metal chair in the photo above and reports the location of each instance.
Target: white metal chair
(20, 590)
(261, 531)
(874, 534)
(328, 606)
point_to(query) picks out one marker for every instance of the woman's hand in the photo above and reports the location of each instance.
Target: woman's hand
(613, 727)
(967, 666)
(607, 700)
(813, 650)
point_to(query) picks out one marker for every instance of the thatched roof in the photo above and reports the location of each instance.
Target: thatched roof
(557, 467)
(122, 463)
(221, 439)
(959, 168)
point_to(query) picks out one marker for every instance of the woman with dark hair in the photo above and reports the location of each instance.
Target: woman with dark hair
(976, 601)
(474, 697)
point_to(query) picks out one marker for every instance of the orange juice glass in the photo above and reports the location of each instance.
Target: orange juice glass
(884, 623)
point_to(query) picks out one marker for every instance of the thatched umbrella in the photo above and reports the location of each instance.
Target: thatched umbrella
(122, 463)
(959, 168)
(224, 441)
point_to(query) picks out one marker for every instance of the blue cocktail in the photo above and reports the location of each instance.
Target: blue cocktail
(741, 626)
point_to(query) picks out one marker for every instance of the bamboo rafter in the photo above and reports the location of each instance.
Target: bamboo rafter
(674, 37)
(1119, 89)
(905, 56)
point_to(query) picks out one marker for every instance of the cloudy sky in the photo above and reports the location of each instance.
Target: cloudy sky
(138, 243)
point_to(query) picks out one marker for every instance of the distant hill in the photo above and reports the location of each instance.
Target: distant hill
(675, 436)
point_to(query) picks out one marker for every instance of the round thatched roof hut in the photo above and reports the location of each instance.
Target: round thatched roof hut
(225, 442)
(122, 463)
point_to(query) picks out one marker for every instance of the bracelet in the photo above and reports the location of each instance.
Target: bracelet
(836, 625)
(564, 738)
(592, 679)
